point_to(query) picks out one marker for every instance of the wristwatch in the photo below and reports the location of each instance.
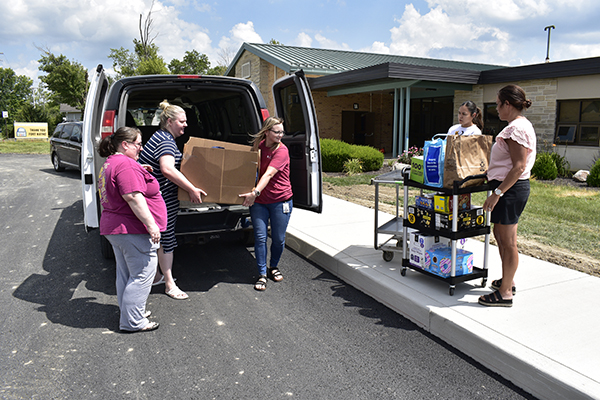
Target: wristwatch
(256, 192)
(498, 192)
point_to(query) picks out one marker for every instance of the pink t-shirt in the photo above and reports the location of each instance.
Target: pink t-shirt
(521, 131)
(121, 175)
(279, 187)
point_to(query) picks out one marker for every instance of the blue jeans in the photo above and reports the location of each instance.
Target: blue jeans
(279, 214)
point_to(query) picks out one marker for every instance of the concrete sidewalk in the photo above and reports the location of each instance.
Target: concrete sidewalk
(547, 343)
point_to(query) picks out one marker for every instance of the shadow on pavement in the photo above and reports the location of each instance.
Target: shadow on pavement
(79, 285)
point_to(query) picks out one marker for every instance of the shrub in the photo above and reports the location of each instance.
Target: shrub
(353, 167)
(593, 178)
(334, 153)
(563, 167)
(544, 167)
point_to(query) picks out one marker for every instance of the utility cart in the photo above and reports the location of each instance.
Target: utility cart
(393, 229)
(398, 227)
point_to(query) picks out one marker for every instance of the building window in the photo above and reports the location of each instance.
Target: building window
(492, 125)
(578, 122)
(246, 70)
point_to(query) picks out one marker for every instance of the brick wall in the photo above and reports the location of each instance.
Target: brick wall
(379, 105)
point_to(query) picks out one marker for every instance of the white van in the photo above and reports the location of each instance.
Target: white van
(217, 108)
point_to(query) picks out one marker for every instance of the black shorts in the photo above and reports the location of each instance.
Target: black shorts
(510, 206)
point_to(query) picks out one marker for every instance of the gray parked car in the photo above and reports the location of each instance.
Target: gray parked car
(218, 108)
(65, 146)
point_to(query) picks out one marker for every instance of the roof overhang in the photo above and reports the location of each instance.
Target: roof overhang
(389, 76)
(552, 70)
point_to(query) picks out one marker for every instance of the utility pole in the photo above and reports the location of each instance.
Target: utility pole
(548, 28)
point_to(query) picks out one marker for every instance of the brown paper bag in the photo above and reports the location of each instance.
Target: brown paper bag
(466, 156)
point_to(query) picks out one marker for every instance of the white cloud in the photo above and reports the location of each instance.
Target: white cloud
(437, 32)
(326, 43)
(303, 40)
(377, 47)
(239, 34)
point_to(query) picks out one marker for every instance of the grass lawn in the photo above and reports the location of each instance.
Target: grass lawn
(26, 146)
(559, 216)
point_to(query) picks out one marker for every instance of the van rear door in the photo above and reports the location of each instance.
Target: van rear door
(294, 103)
(90, 137)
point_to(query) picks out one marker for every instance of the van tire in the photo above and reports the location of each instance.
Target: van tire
(106, 249)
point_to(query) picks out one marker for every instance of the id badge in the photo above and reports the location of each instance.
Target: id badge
(286, 207)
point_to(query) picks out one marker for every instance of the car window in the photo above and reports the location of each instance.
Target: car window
(66, 133)
(57, 131)
(76, 135)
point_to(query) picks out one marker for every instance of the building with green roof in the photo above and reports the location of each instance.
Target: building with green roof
(393, 102)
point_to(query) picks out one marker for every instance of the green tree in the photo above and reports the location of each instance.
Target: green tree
(193, 63)
(145, 59)
(218, 70)
(66, 80)
(125, 63)
(15, 93)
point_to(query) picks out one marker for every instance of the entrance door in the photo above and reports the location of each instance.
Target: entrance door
(357, 127)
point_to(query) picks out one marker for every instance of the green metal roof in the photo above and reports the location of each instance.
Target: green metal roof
(325, 62)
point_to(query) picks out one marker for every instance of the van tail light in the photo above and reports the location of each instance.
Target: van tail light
(108, 123)
(265, 113)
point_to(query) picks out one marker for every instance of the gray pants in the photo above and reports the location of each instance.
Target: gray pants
(136, 266)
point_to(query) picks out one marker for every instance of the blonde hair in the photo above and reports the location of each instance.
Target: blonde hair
(168, 111)
(267, 126)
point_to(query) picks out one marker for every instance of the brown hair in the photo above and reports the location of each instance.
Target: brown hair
(267, 125)
(168, 111)
(110, 144)
(515, 96)
(473, 109)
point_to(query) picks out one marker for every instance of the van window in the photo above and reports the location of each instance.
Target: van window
(212, 113)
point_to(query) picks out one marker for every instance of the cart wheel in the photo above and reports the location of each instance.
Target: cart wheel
(403, 272)
(451, 290)
(483, 282)
(388, 256)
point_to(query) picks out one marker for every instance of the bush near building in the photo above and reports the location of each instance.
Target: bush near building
(334, 153)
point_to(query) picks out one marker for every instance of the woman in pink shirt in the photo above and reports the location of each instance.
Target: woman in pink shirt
(133, 216)
(270, 200)
(513, 156)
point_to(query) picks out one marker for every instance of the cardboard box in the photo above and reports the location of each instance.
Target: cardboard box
(443, 204)
(469, 219)
(223, 170)
(439, 261)
(416, 169)
(419, 245)
(420, 217)
(425, 201)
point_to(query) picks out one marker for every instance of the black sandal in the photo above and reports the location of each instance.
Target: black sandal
(261, 283)
(498, 282)
(275, 274)
(495, 300)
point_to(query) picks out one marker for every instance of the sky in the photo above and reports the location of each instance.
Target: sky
(500, 32)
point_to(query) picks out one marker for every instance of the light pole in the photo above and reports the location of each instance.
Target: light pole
(548, 28)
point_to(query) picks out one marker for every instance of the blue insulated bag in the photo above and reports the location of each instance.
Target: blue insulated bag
(433, 162)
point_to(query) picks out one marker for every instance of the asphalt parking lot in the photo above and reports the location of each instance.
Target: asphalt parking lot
(311, 336)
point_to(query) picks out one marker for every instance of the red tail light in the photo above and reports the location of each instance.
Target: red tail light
(189, 76)
(108, 123)
(265, 113)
